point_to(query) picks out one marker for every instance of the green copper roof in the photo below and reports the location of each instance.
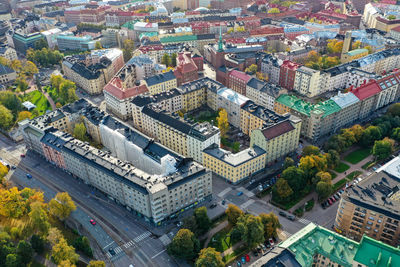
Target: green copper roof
(147, 34)
(313, 239)
(327, 107)
(181, 38)
(129, 24)
(357, 51)
(374, 253)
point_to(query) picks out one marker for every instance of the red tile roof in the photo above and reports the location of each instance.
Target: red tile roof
(366, 90)
(277, 130)
(240, 75)
(396, 29)
(115, 88)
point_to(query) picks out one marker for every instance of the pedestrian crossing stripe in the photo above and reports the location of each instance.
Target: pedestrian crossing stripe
(142, 236)
(108, 254)
(286, 234)
(117, 250)
(129, 244)
(304, 221)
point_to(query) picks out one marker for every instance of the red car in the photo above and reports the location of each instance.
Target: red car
(247, 257)
(330, 202)
(333, 199)
(93, 222)
(22, 155)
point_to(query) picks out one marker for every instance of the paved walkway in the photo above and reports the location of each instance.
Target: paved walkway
(231, 249)
(213, 231)
(340, 176)
(53, 106)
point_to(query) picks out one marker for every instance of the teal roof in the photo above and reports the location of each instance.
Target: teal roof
(357, 51)
(375, 253)
(129, 24)
(327, 107)
(28, 38)
(313, 239)
(181, 38)
(147, 34)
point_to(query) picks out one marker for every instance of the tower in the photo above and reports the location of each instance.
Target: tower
(220, 44)
(347, 42)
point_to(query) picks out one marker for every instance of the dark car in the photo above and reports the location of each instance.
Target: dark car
(259, 250)
(239, 264)
(255, 253)
(291, 217)
(213, 205)
(333, 199)
(13, 167)
(323, 205)
(112, 252)
(29, 176)
(283, 214)
(223, 202)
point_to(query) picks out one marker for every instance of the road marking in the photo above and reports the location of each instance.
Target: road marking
(304, 221)
(286, 234)
(107, 245)
(224, 192)
(108, 254)
(247, 203)
(142, 236)
(129, 244)
(117, 250)
(158, 253)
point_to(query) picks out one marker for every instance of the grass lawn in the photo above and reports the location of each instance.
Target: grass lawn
(368, 165)
(237, 252)
(353, 175)
(339, 184)
(39, 100)
(221, 241)
(333, 174)
(342, 167)
(358, 155)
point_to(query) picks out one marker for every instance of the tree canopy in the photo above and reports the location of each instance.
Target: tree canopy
(209, 257)
(184, 245)
(61, 206)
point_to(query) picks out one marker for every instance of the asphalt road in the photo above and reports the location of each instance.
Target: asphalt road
(116, 227)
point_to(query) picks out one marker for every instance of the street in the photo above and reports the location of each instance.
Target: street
(116, 228)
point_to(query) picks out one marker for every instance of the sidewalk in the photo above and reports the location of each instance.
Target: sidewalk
(53, 106)
(231, 249)
(213, 231)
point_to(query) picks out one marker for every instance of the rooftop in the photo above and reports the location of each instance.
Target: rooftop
(232, 96)
(344, 100)
(5, 70)
(377, 254)
(234, 159)
(366, 90)
(356, 52)
(160, 78)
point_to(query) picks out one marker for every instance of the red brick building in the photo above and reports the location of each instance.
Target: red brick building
(187, 67)
(237, 81)
(287, 74)
(91, 13)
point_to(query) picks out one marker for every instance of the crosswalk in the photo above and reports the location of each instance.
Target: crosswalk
(142, 237)
(117, 250)
(286, 234)
(304, 221)
(129, 244)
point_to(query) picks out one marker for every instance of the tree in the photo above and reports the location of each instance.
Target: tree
(62, 251)
(12, 204)
(61, 206)
(356, 45)
(191, 224)
(233, 213)
(82, 243)
(288, 163)
(66, 263)
(394, 109)
(24, 115)
(295, 178)
(184, 245)
(209, 257)
(39, 218)
(41, 44)
(202, 220)
(333, 158)
(6, 118)
(10, 101)
(254, 233)
(322, 176)
(383, 148)
(37, 244)
(29, 69)
(238, 232)
(12, 261)
(222, 121)
(396, 134)
(21, 83)
(313, 164)
(271, 224)
(80, 132)
(391, 17)
(370, 135)
(334, 46)
(98, 45)
(54, 236)
(166, 60)
(127, 50)
(310, 150)
(24, 251)
(252, 69)
(274, 11)
(281, 190)
(173, 59)
(96, 264)
(357, 130)
(323, 189)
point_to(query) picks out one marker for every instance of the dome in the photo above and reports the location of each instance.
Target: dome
(201, 9)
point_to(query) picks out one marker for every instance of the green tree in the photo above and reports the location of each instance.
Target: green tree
(202, 220)
(11, 101)
(396, 134)
(370, 135)
(289, 162)
(281, 191)
(333, 158)
(21, 83)
(82, 243)
(274, 11)
(191, 224)
(391, 17)
(313, 164)
(323, 189)
(96, 264)
(24, 252)
(61, 206)
(166, 60)
(41, 44)
(12, 260)
(37, 244)
(39, 218)
(238, 232)
(222, 121)
(394, 109)
(310, 150)
(254, 233)
(233, 213)
(29, 69)
(252, 69)
(173, 59)
(383, 149)
(322, 176)
(209, 257)
(98, 45)
(271, 224)
(80, 132)
(184, 245)
(127, 50)
(62, 251)
(6, 118)
(295, 178)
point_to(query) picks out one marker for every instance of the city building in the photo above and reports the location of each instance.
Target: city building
(317, 246)
(372, 207)
(8, 53)
(90, 13)
(234, 167)
(368, 94)
(51, 37)
(307, 81)
(161, 82)
(68, 41)
(237, 81)
(93, 71)
(232, 102)
(187, 67)
(262, 93)
(287, 74)
(270, 66)
(7, 75)
(22, 42)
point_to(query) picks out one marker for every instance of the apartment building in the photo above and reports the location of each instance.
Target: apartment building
(368, 94)
(194, 94)
(287, 74)
(307, 81)
(232, 102)
(7, 75)
(389, 86)
(317, 246)
(68, 41)
(234, 167)
(270, 66)
(8, 53)
(237, 81)
(92, 72)
(22, 42)
(350, 108)
(161, 82)
(262, 93)
(186, 67)
(90, 13)
(372, 207)
(278, 138)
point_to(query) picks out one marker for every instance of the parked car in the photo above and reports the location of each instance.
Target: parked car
(291, 217)
(239, 264)
(29, 176)
(330, 202)
(259, 250)
(263, 247)
(22, 155)
(336, 197)
(93, 222)
(323, 205)
(239, 193)
(271, 242)
(333, 199)
(247, 257)
(255, 253)
(283, 214)
(243, 260)
(213, 205)
(13, 167)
